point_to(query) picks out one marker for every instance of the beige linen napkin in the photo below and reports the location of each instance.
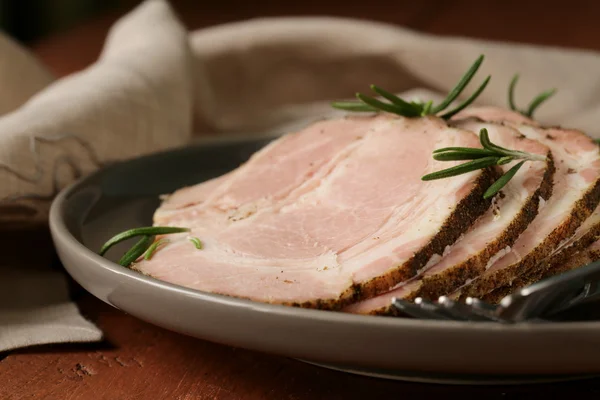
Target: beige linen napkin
(256, 77)
(259, 74)
(135, 100)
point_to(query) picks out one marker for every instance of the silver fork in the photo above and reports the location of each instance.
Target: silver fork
(533, 303)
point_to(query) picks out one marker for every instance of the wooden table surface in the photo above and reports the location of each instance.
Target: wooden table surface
(140, 361)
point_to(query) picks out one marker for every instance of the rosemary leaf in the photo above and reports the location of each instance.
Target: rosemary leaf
(460, 86)
(409, 107)
(353, 106)
(511, 92)
(377, 104)
(152, 249)
(472, 150)
(459, 155)
(415, 108)
(502, 152)
(505, 160)
(150, 230)
(391, 108)
(197, 243)
(502, 181)
(137, 250)
(482, 158)
(487, 144)
(535, 103)
(462, 168)
(427, 108)
(467, 102)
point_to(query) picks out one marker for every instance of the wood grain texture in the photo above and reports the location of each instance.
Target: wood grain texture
(140, 361)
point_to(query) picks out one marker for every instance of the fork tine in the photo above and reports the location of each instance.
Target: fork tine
(435, 307)
(418, 309)
(460, 310)
(484, 309)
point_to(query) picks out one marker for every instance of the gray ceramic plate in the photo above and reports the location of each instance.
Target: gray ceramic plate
(125, 195)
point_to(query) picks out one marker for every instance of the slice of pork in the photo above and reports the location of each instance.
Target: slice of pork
(575, 260)
(576, 194)
(494, 114)
(562, 259)
(562, 262)
(332, 214)
(512, 211)
(188, 196)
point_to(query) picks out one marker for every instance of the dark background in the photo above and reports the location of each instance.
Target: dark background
(572, 23)
(30, 20)
(67, 35)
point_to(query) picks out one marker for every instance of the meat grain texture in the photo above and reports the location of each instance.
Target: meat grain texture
(323, 217)
(336, 216)
(576, 193)
(513, 209)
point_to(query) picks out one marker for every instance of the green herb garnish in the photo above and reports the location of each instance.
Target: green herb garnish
(490, 155)
(535, 103)
(150, 230)
(199, 245)
(152, 249)
(137, 250)
(416, 109)
(144, 245)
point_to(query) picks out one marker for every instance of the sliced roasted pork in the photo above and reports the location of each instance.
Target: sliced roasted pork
(576, 194)
(575, 260)
(325, 216)
(563, 258)
(494, 114)
(511, 212)
(561, 262)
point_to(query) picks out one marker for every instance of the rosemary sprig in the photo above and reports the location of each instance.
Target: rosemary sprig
(403, 108)
(197, 243)
(149, 230)
(462, 168)
(535, 103)
(502, 181)
(152, 249)
(137, 250)
(491, 154)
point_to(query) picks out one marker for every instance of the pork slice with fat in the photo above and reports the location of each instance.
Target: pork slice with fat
(511, 212)
(576, 193)
(340, 214)
(562, 259)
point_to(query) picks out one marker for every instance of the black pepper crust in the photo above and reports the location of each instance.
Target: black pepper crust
(461, 219)
(451, 279)
(559, 265)
(582, 209)
(465, 214)
(563, 261)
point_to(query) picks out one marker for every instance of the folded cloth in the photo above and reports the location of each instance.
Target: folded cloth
(259, 74)
(155, 87)
(136, 99)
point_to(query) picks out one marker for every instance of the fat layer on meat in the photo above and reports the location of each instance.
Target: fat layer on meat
(323, 217)
(511, 212)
